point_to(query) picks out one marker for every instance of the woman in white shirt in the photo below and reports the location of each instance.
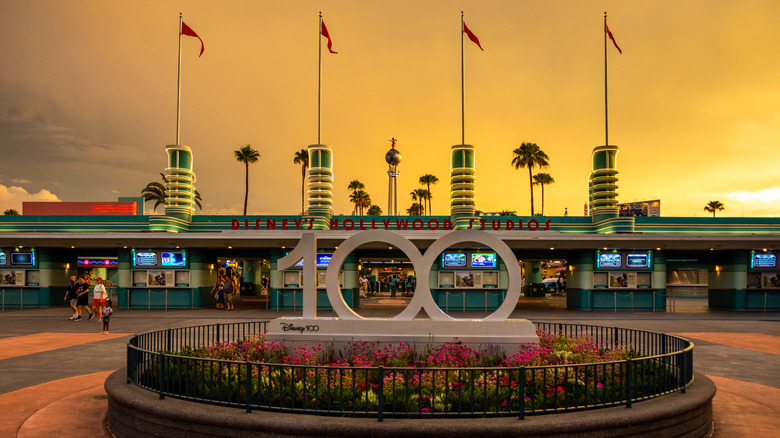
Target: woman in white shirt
(99, 296)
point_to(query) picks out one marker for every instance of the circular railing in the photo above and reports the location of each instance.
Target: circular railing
(664, 366)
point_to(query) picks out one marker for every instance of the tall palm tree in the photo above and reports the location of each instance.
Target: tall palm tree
(155, 191)
(361, 199)
(714, 206)
(364, 201)
(247, 155)
(302, 158)
(374, 210)
(355, 185)
(429, 179)
(541, 179)
(422, 195)
(530, 155)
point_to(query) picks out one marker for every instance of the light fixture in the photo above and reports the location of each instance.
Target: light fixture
(67, 266)
(230, 247)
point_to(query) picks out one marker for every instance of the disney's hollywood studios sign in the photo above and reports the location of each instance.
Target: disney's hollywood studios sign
(362, 224)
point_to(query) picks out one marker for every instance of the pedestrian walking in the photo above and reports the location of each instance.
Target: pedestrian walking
(106, 313)
(83, 299)
(99, 296)
(218, 292)
(71, 296)
(229, 291)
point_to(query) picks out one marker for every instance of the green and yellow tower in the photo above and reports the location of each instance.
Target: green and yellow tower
(320, 186)
(462, 188)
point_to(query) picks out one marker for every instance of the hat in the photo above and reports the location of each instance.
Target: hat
(100, 279)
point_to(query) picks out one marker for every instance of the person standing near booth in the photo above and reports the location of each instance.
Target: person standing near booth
(83, 298)
(229, 290)
(71, 296)
(99, 296)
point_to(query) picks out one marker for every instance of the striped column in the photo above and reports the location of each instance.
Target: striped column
(179, 182)
(462, 189)
(320, 186)
(602, 183)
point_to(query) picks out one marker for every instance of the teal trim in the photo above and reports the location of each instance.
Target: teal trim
(293, 299)
(616, 300)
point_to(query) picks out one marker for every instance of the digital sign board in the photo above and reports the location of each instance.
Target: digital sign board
(483, 260)
(609, 260)
(638, 260)
(145, 259)
(323, 259)
(453, 260)
(22, 258)
(763, 261)
(173, 258)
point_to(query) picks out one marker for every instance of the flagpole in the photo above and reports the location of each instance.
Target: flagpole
(462, 88)
(319, 78)
(606, 112)
(178, 87)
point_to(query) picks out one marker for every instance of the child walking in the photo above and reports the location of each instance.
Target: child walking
(107, 312)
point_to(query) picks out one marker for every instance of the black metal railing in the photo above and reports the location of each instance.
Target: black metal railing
(664, 366)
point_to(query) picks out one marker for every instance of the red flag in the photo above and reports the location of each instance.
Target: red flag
(609, 34)
(186, 30)
(472, 37)
(324, 32)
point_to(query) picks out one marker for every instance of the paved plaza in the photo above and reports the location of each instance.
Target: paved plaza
(52, 369)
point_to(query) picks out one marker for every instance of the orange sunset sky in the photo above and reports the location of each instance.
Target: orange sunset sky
(88, 99)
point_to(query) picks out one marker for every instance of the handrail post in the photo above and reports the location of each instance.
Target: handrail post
(166, 300)
(381, 394)
(168, 340)
(21, 299)
(521, 395)
(160, 370)
(628, 383)
(149, 300)
(248, 387)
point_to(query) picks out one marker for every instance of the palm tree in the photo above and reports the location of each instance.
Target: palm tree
(361, 199)
(155, 191)
(11, 212)
(374, 210)
(421, 195)
(530, 155)
(302, 158)
(714, 206)
(541, 179)
(247, 155)
(355, 185)
(429, 179)
(415, 210)
(507, 213)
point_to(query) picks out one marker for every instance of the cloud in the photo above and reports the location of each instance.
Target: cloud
(20, 181)
(770, 195)
(13, 196)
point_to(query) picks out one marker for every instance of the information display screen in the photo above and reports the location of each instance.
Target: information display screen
(637, 260)
(323, 259)
(764, 261)
(173, 258)
(453, 260)
(609, 260)
(146, 259)
(2, 258)
(21, 258)
(483, 260)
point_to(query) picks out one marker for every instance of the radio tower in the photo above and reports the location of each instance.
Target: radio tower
(393, 158)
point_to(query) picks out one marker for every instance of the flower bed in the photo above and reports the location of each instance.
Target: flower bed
(561, 373)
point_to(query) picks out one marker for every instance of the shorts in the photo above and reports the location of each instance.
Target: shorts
(106, 319)
(98, 302)
(229, 298)
(73, 301)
